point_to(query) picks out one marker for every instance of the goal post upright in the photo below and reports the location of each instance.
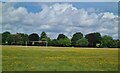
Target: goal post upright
(26, 43)
(46, 43)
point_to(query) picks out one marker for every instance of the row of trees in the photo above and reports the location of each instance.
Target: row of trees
(77, 40)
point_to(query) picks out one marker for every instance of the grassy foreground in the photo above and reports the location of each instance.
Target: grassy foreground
(21, 58)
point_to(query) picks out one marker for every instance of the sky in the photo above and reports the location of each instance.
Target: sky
(59, 0)
(60, 17)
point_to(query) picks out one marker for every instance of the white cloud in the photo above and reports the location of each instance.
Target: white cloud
(109, 15)
(59, 18)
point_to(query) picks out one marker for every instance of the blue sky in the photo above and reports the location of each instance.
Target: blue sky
(59, 0)
(101, 6)
(61, 17)
(31, 7)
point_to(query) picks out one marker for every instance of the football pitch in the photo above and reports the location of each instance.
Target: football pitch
(36, 58)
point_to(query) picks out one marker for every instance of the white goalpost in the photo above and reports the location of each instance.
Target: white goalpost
(33, 42)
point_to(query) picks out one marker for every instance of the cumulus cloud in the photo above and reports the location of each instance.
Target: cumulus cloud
(59, 18)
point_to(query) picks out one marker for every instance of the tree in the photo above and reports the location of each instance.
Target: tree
(119, 43)
(48, 40)
(61, 36)
(115, 44)
(107, 41)
(0, 38)
(53, 42)
(24, 38)
(18, 39)
(43, 36)
(93, 39)
(64, 42)
(82, 42)
(33, 37)
(4, 37)
(76, 37)
(10, 39)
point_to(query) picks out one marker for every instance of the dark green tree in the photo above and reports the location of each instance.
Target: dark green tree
(76, 37)
(0, 38)
(93, 39)
(115, 44)
(5, 36)
(61, 36)
(119, 43)
(33, 37)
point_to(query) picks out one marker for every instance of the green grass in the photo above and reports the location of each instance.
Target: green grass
(19, 58)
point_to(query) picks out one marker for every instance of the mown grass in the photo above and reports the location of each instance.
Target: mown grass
(19, 58)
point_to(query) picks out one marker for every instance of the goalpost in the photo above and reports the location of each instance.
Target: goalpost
(33, 42)
(26, 43)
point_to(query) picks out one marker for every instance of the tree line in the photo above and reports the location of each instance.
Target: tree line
(78, 40)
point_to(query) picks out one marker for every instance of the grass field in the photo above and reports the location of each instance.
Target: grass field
(21, 58)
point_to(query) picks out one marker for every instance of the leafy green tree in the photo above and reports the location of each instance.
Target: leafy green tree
(43, 36)
(61, 36)
(10, 39)
(119, 43)
(82, 42)
(18, 39)
(53, 42)
(0, 38)
(5, 36)
(93, 39)
(76, 37)
(64, 42)
(24, 38)
(115, 44)
(21, 38)
(48, 41)
(107, 41)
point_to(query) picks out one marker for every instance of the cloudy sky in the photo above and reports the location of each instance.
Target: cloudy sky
(59, 0)
(60, 17)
